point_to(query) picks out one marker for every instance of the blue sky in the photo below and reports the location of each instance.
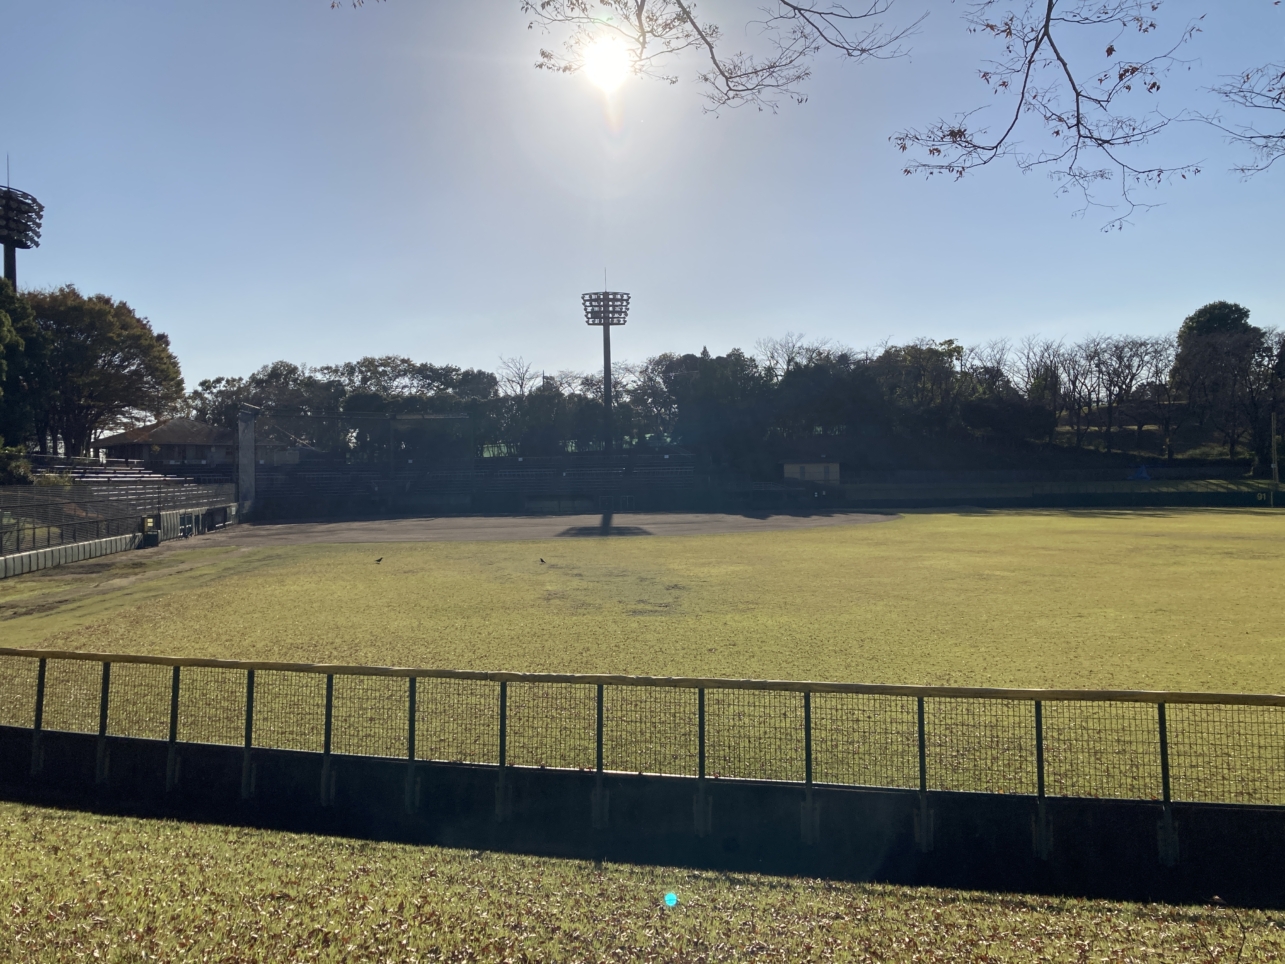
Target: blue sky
(283, 180)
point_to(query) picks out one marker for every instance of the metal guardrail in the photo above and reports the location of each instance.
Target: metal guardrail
(40, 517)
(1163, 746)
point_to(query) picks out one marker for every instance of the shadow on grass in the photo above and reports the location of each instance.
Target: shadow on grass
(604, 528)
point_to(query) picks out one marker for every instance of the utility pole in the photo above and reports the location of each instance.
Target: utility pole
(608, 309)
(1276, 475)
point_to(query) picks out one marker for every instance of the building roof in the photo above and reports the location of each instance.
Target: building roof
(173, 431)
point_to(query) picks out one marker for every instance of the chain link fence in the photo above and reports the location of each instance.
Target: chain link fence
(1127, 745)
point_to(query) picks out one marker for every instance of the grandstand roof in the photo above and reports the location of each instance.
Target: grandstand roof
(172, 431)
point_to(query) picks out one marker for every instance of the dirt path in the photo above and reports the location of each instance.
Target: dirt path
(511, 528)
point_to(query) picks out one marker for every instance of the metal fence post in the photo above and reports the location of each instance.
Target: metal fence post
(327, 782)
(923, 816)
(1041, 828)
(38, 719)
(923, 749)
(600, 800)
(598, 739)
(1164, 752)
(1039, 748)
(1167, 830)
(501, 788)
(100, 764)
(411, 784)
(247, 765)
(171, 757)
(807, 738)
(809, 815)
(702, 803)
(700, 723)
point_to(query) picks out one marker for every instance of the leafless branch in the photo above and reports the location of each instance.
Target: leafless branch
(1218, 950)
(1259, 91)
(657, 32)
(1087, 127)
(517, 376)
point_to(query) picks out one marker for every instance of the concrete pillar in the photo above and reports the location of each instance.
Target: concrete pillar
(245, 460)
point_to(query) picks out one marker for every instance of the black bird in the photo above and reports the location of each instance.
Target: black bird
(379, 560)
(542, 562)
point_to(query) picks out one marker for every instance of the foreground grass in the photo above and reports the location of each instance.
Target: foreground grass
(1163, 599)
(83, 887)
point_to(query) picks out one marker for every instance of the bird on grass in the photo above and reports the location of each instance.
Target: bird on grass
(379, 560)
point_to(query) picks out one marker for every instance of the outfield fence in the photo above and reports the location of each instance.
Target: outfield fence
(1198, 747)
(45, 516)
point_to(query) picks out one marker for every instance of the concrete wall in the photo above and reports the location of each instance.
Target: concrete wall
(24, 562)
(245, 461)
(1122, 849)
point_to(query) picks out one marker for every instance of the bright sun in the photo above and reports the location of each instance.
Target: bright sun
(606, 63)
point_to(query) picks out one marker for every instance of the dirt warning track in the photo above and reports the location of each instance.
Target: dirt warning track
(516, 528)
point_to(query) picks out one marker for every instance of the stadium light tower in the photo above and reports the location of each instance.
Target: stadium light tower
(20, 215)
(608, 309)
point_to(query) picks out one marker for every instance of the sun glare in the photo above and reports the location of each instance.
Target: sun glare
(606, 64)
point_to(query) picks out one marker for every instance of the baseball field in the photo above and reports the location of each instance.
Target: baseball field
(1163, 599)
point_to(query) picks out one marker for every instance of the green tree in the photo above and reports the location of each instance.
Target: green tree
(13, 467)
(19, 350)
(8, 334)
(1215, 318)
(94, 363)
(1217, 348)
(281, 388)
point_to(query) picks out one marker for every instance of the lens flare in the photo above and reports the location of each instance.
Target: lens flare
(606, 64)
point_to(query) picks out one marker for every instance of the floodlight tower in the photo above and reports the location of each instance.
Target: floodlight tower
(20, 215)
(608, 309)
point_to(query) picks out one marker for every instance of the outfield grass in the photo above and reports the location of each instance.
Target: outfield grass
(84, 887)
(1159, 599)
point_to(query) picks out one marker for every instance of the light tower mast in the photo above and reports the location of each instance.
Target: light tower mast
(20, 216)
(607, 309)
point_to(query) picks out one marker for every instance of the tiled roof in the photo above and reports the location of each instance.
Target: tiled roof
(174, 431)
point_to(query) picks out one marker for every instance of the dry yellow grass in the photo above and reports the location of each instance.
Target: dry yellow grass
(82, 887)
(1174, 599)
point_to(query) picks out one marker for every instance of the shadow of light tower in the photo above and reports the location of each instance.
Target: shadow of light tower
(608, 309)
(20, 215)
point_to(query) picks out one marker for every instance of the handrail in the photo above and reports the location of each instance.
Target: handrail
(683, 682)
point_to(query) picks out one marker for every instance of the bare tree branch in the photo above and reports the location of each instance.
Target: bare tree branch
(1260, 91)
(517, 376)
(1065, 113)
(1087, 129)
(657, 32)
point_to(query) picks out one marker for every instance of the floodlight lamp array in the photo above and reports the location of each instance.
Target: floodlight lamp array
(20, 216)
(605, 307)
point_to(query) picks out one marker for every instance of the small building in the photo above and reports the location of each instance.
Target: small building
(172, 443)
(812, 471)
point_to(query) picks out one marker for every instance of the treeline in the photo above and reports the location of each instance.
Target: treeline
(1207, 390)
(73, 367)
